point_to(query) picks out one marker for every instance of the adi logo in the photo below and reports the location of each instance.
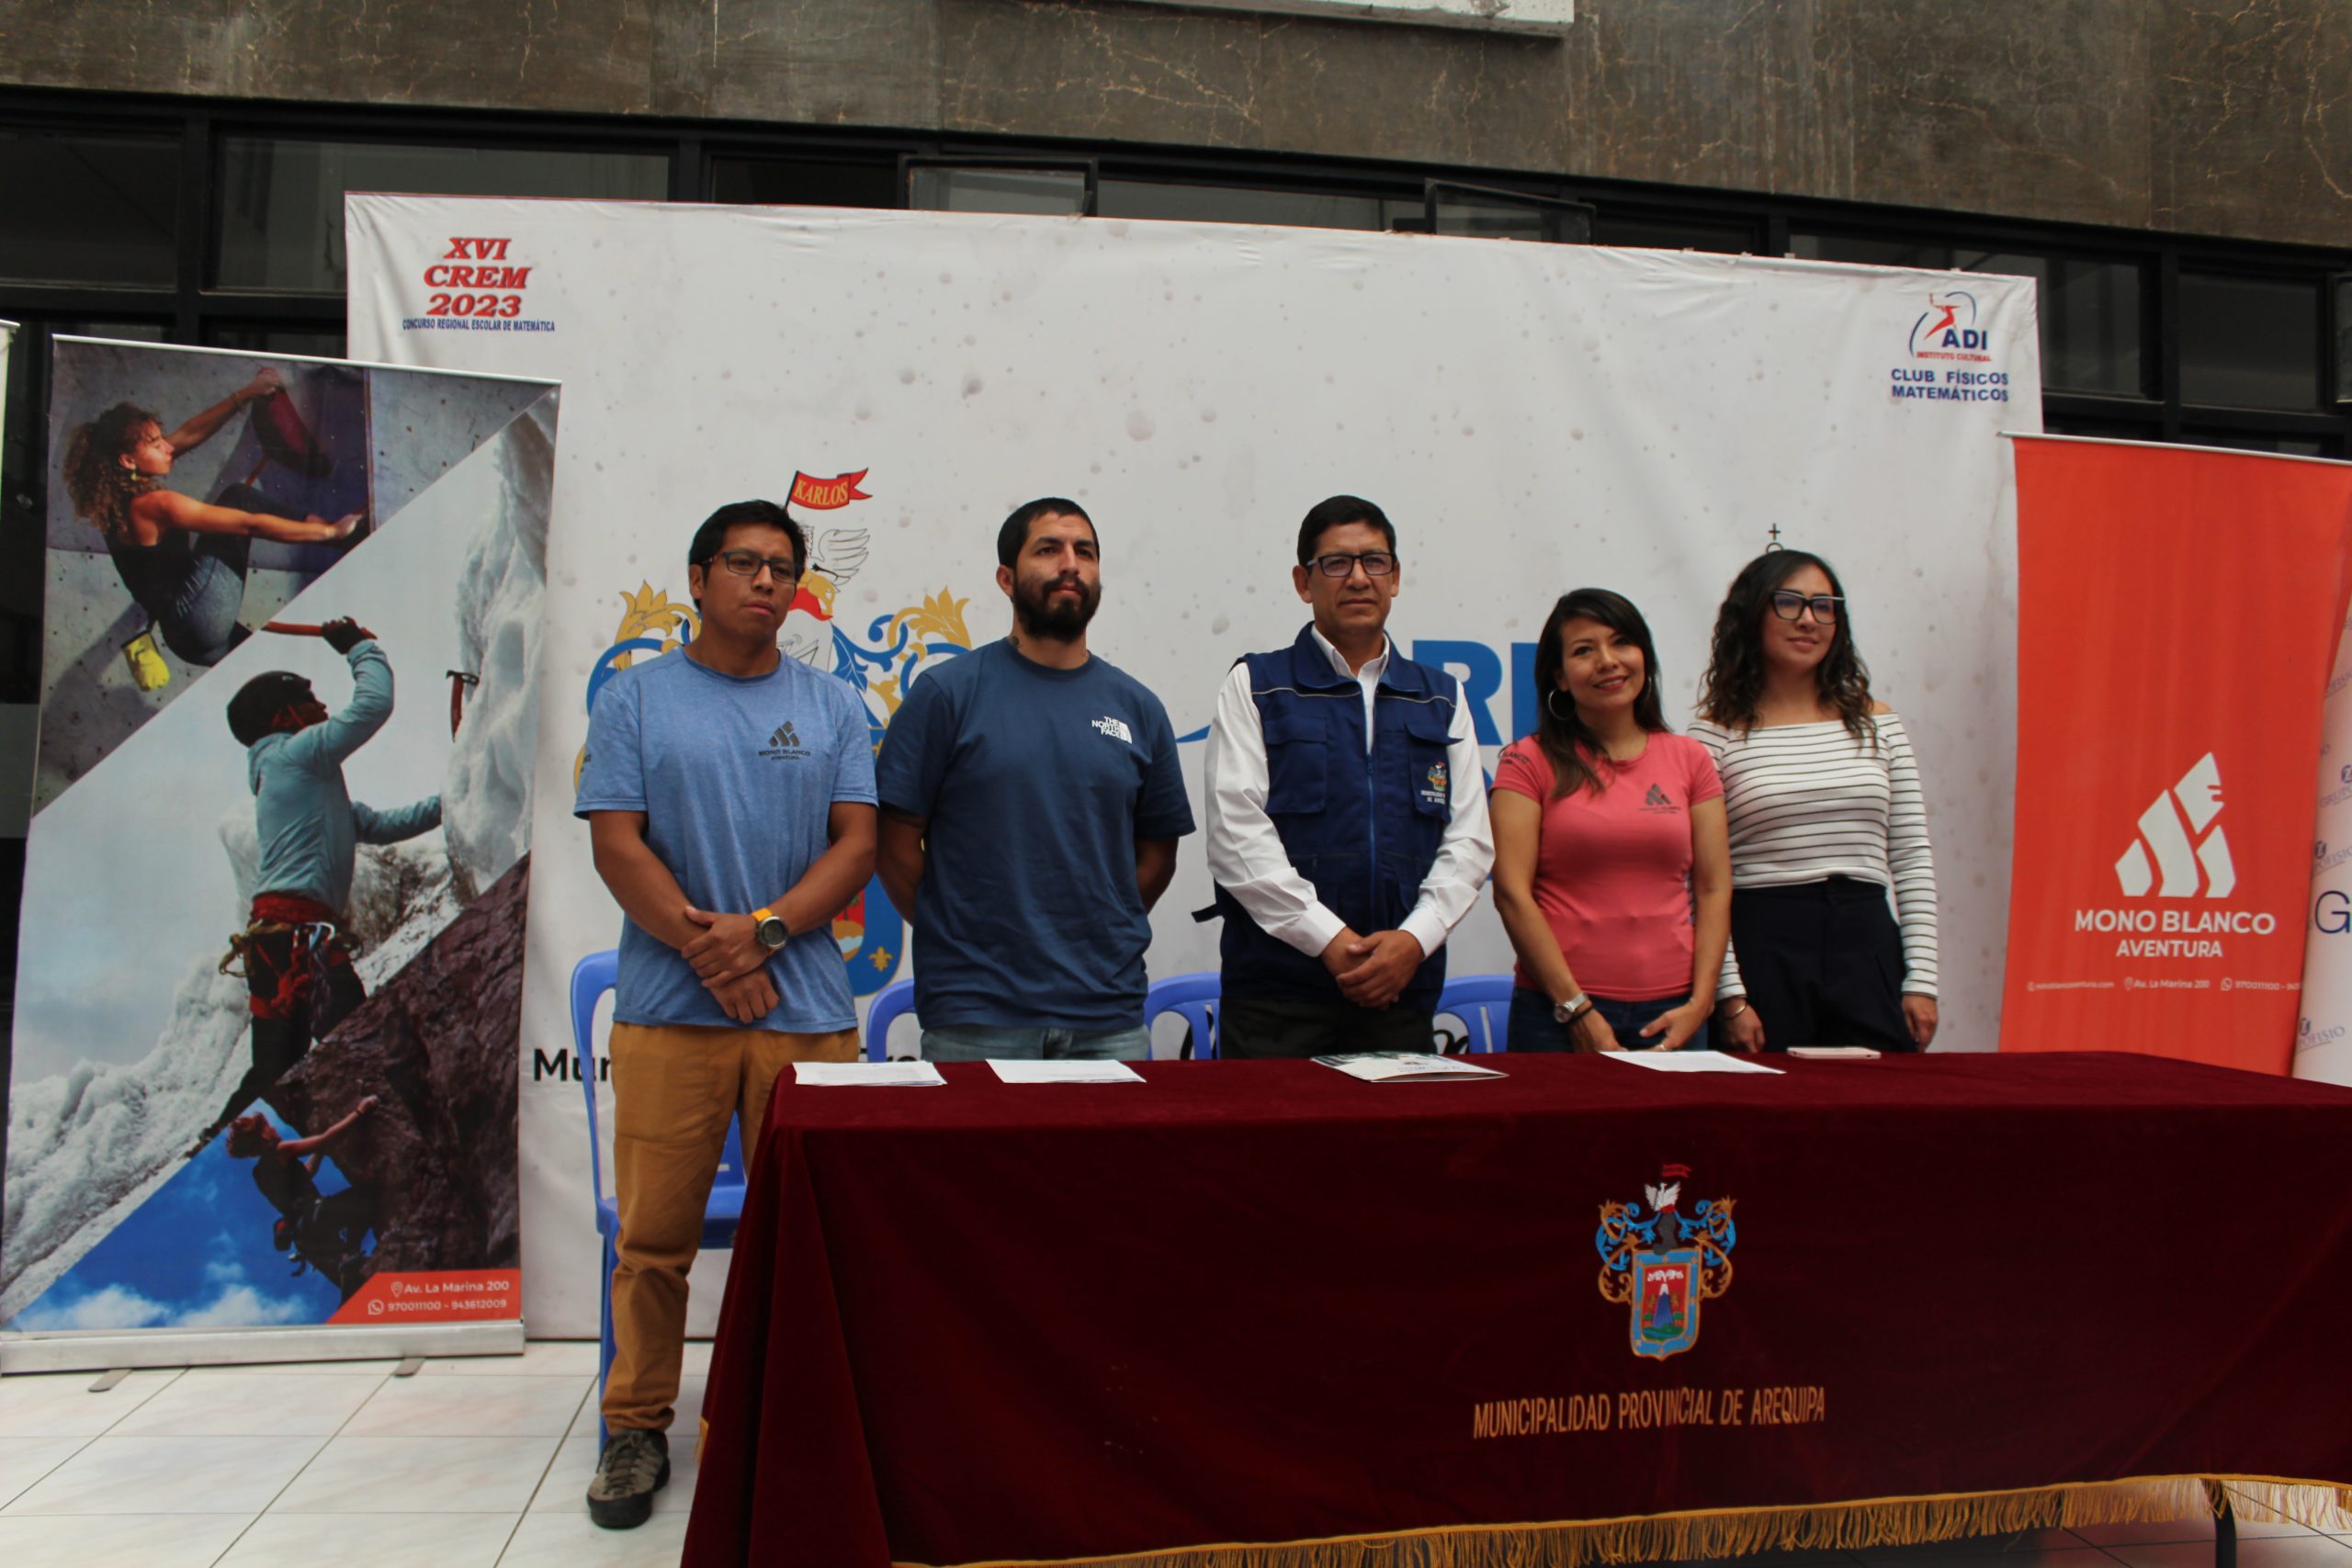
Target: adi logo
(1659, 801)
(1663, 1264)
(2163, 839)
(1947, 329)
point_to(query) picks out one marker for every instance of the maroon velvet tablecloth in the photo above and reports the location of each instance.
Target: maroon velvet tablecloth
(1265, 1303)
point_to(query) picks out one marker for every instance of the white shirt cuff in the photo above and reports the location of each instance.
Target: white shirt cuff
(1424, 926)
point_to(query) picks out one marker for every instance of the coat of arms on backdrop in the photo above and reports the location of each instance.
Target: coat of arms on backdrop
(1662, 1261)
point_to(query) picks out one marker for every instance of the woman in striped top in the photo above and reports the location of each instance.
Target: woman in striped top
(1823, 802)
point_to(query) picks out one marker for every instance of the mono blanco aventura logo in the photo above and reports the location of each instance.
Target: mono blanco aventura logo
(2178, 852)
(2197, 797)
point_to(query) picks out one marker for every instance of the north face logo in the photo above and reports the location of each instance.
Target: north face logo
(784, 735)
(2165, 840)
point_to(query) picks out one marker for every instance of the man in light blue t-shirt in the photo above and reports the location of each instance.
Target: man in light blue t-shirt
(729, 797)
(1032, 801)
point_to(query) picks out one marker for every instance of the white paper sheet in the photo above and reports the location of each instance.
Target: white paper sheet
(1400, 1067)
(1690, 1062)
(836, 1075)
(1066, 1072)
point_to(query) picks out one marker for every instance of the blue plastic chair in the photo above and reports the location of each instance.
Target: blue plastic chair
(591, 978)
(888, 1003)
(1194, 997)
(1483, 1004)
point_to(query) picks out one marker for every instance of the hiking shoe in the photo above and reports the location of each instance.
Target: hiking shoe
(635, 1464)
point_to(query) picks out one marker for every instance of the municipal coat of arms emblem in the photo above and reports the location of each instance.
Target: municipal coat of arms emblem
(1662, 1262)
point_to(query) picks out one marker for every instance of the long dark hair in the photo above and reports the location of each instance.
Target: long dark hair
(1565, 741)
(101, 487)
(1733, 683)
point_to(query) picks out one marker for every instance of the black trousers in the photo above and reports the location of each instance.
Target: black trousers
(1257, 1028)
(1823, 964)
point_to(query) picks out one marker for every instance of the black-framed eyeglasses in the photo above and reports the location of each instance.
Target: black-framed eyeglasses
(1788, 604)
(747, 563)
(1375, 563)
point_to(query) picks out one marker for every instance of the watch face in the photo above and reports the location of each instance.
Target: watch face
(771, 931)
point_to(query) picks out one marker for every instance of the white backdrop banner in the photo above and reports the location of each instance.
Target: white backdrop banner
(1532, 417)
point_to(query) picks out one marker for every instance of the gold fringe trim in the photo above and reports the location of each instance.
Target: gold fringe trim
(1833, 1526)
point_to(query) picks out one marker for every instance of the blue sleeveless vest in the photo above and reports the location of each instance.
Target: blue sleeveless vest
(1362, 826)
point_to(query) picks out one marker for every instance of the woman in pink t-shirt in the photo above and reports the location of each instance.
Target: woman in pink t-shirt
(1611, 866)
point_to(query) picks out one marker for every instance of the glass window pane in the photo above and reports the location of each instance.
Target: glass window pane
(130, 330)
(1868, 251)
(318, 342)
(89, 209)
(1243, 204)
(2344, 339)
(2092, 324)
(778, 182)
(1673, 234)
(2150, 429)
(938, 187)
(281, 219)
(1479, 216)
(2250, 342)
(2248, 441)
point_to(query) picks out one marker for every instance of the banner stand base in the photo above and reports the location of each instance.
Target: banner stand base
(99, 1350)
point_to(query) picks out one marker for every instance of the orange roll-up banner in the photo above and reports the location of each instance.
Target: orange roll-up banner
(2177, 616)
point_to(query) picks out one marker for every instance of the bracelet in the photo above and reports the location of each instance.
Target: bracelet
(1743, 1007)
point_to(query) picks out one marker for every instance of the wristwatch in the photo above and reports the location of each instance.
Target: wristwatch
(768, 926)
(1574, 1008)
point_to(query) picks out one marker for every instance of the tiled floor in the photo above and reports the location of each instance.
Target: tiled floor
(468, 1463)
(481, 1462)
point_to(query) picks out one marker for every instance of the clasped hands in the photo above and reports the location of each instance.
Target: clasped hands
(1372, 970)
(732, 962)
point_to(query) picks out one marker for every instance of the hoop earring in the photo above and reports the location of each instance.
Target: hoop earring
(1568, 717)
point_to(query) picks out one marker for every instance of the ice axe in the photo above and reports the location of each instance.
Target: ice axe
(459, 681)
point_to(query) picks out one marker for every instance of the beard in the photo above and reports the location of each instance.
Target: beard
(1062, 619)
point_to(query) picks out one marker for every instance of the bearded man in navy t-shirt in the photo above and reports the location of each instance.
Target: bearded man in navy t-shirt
(729, 797)
(1031, 804)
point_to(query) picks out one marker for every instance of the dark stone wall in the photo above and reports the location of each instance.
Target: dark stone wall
(2216, 116)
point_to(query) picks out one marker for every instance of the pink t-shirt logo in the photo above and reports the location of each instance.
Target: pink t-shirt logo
(1659, 800)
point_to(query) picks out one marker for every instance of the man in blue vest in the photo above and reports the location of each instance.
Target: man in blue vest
(1347, 814)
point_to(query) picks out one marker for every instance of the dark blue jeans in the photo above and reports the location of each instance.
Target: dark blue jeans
(1532, 1027)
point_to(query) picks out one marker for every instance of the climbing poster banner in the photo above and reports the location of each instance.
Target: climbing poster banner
(2178, 611)
(270, 978)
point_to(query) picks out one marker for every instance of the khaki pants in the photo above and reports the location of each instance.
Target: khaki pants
(673, 1090)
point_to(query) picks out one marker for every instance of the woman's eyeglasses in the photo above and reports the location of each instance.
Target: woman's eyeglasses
(1788, 604)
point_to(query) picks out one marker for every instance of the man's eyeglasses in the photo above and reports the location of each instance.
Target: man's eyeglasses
(1788, 604)
(747, 563)
(1375, 563)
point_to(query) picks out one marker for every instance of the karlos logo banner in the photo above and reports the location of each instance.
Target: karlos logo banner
(2178, 618)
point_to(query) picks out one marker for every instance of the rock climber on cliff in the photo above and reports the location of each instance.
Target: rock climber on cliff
(297, 955)
(326, 1233)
